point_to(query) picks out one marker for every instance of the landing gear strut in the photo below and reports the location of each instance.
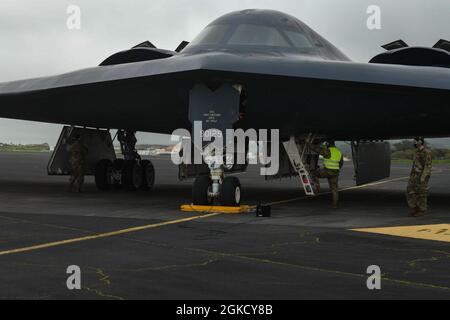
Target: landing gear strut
(215, 108)
(131, 173)
(207, 188)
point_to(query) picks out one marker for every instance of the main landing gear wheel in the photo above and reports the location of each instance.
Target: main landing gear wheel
(104, 175)
(201, 190)
(117, 175)
(230, 195)
(125, 174)
(148, 175)
(132, 175)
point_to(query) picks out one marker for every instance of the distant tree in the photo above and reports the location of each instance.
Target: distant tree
(440, 154)
(398, 155)
(403, 145)
(403, 155)
(404, 150)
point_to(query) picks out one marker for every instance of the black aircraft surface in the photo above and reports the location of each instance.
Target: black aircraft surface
(286, 77)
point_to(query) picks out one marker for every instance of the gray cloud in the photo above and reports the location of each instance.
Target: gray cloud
(35, 41)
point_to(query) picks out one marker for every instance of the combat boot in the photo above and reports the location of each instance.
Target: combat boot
(419, 213)
(413, 211)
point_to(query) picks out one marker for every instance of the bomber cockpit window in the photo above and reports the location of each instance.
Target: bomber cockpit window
(211, 35)
(251, 35)
(299, 40)
(257, 35)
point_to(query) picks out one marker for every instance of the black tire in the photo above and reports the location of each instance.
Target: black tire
(118, 167)
(132, 175)
(103, 175)
(200, 190)
(230, 195)
(148, 175)
(118, 164)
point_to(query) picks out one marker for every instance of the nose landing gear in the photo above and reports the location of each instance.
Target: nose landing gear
(231, 192)
(214, 108)
(204, 191)
(206, 188)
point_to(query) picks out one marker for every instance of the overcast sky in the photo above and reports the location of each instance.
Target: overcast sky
(35, 41)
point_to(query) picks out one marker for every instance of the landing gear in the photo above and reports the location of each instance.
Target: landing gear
(132, 176)
(117, 173)
(148, 175)
(231, 192)
(104, 175)
(207, 188)
(214, 108)
(131, 173)
(201, 191)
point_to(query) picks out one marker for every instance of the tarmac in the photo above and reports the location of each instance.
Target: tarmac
(139, 245)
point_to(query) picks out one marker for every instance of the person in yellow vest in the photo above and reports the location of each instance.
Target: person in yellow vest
(333, 160)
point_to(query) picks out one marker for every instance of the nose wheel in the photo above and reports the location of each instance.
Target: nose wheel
(228, 194)
(201, 191)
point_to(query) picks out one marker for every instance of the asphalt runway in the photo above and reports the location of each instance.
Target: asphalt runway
(140, 246)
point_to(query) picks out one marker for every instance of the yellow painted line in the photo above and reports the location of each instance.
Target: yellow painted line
(215, 209)
(340, 190)
(436, 232)
(104, 235)
(348, 189)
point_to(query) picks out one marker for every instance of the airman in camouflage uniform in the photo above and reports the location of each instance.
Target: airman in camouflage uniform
(417, 190)
(77, 161)
(333, 162)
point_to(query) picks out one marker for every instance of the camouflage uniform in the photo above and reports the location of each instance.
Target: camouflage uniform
(77, 161)
(417, 190)
(331, 175)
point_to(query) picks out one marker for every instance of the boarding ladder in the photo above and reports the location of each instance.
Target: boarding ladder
(296, 161)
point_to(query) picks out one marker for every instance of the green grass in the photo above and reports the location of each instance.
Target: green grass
(18, 148)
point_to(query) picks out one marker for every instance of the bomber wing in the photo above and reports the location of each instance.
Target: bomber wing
(153, 95)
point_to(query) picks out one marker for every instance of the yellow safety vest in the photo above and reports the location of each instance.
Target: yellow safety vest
(333, 162)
